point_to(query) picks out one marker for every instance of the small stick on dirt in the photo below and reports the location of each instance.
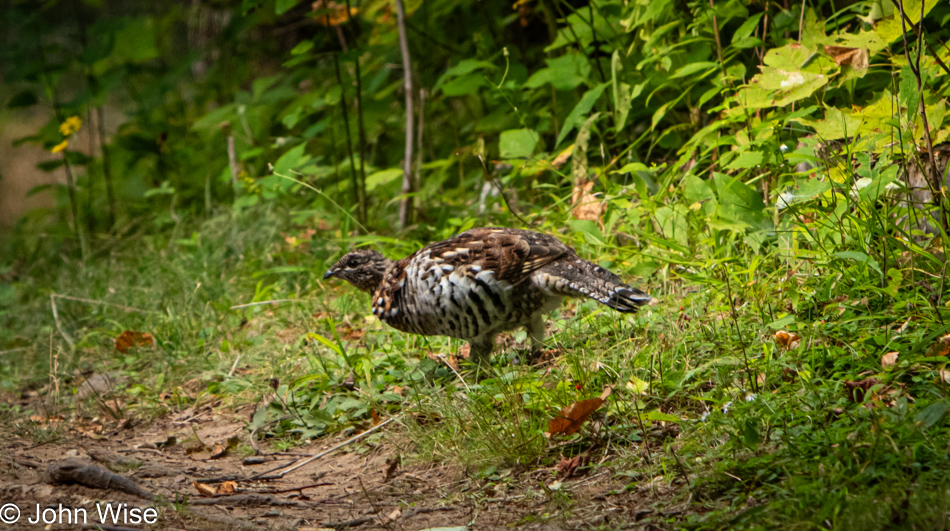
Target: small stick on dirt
(321, 454)
(234, 365)
(296, 489)
(275, 301)
(93, 301)
(148, 450)
(349, 523)
(245, 500)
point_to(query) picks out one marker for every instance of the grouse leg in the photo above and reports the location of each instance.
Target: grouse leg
(535, 329)
(480, 352)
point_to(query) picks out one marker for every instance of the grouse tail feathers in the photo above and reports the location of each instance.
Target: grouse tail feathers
(581, 278)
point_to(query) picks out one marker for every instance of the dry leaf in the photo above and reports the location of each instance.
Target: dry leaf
(585, 204)
(857, 389)
(788, 340)
(570, 419)
(219, 452)
(395, 514)
(563, 156)
(228, 487)
(203, 489)
(856, 58)
(567, 468)
(130, 339)
(375, 416)
(889, 359)
(391, 465)
(941, 347)
(944, 375)
(332, 13)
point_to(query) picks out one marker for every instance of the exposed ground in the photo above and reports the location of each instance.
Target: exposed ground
(356, 487)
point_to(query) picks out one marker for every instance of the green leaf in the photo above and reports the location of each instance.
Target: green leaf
(932, 414)
(135, 42)
(517, 143)
(566, 72)
(382, 177)
(580, 111)
(750, 433)
(739, 202)
(746, 29)
(621, 93)
(464, 85)
(326, 342)
(658, 416)
(861, 258)
(22, 99)
(692, 68)
(891, 28)
(908, 95)
(749, 159)
(283, 6)
(302, 47)
(779, 324)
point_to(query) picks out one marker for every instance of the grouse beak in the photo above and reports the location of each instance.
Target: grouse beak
(329, 274)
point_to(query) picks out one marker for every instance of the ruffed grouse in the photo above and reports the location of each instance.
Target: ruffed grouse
(481, 282)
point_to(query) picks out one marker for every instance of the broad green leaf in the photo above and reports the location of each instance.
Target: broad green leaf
(135, 42)
(566, 72)
(746, 160)
(283, 6)
(621, 93)
(663, 417)
(517, 143)
(836, 124)
(932, 414)
(747, 27)
(464, 85)
(860, 258)
(740, 203)
(292, 159)
(693, 68)
(672, 221)
(382, 177)
(580, 111)
(890, 28)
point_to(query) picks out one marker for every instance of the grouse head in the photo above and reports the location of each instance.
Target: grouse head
(363, 268)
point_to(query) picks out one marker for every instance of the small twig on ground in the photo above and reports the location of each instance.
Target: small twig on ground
(148, 450)
(275, 301)
(449, 365)
(234, 365)
(52, 303)
(246, 500)
(93, 301)
(349, 523)
(331, 450)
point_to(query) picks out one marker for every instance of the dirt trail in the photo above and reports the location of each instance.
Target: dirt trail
(350, 489)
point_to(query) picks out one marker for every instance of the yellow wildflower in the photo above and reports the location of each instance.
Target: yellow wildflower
(59, 147)
(70, 126)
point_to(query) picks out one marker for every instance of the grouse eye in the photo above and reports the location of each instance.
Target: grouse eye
(352, 262)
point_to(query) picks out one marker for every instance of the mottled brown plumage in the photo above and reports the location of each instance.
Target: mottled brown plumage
(481, 282)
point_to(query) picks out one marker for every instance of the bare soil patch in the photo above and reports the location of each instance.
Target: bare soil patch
(356, 487)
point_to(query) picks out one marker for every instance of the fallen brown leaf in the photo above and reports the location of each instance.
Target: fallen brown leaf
(586, 205)
(130, 339)
(203, 489)
(889, 359)
(856, 58)
(570, 418)
(788, 340)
